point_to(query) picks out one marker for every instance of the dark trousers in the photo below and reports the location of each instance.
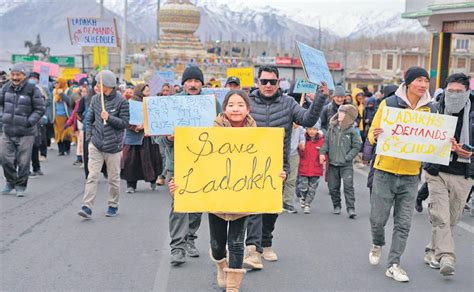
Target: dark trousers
(64, 147)
(35, 163)
(335, 175)
(43, 149)
(234, 238)
(15, 153)
(259, 230)
(85, 159)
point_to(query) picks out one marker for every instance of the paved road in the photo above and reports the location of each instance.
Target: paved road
(45, 246)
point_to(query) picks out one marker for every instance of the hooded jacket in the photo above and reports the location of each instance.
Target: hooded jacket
(281, 111)
(309, 157)
(342, 143)
(107, 138)
(391, 164)
(23, 107)
(359, 105)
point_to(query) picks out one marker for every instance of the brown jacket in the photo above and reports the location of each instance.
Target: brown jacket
(222, 121)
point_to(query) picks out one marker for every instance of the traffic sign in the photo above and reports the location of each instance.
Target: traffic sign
(63, 61)
(24, 58)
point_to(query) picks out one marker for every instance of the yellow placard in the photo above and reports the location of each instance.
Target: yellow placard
(128, 72)
(228, 170)
(100, 57)
(68, 73)
(244, 74)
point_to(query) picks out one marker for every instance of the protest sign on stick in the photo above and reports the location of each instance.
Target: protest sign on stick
(219, 93)
(314, 65)
(164, 113)
(136, 112)
(302, 86)
(416, 135)
(244, 74)
(228, 170)
(44, 76)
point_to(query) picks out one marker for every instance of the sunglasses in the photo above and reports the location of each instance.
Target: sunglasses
(265, 81)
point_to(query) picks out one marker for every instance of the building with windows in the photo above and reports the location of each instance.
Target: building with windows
(451, 24)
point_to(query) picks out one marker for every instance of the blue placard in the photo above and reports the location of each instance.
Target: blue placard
(219, 93)
(302, 86)
(136, 112)
(168, 76)
(315, 65)
(164, 113)
(44, 77)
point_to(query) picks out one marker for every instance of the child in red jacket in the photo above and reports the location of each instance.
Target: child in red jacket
(310, 169)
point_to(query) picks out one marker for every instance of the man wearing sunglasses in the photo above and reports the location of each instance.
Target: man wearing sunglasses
(271, 108)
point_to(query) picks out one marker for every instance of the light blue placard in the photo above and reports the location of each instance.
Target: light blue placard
(220, 93)
(315, 65)
(167, 112)
(156, 83)
(168, 76)
(136, 112)
(302, 86)
(44, 76)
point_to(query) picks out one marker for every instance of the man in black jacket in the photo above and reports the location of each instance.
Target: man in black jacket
(105, 130)
(271, 108)
(23, 106)
(449, 186)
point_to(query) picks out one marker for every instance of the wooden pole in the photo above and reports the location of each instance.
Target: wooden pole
(102, 100)
(303, 95)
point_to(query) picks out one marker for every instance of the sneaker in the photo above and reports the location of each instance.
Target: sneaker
(374, 254)
(7, 189)
(419, 206)
(352, 213)
(77, 162)
(153, 186)
(397, 273)
(130, 190)
(430, 260)
(160, 181)
(191, 249)
(337, 210)
(85, 212)
(20, 193)
(178, 257)
(302, 203)
(42, 158)
(33, 175)
(269, 254)
(307, 209)
(289, 209)
(39, 172)
(446, 266)
(111, 212)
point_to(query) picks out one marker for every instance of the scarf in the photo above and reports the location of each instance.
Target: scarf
(454, 103)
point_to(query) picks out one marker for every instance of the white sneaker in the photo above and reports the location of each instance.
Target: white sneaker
(307, 209)
(430, 260)
(302, 203)
(397, 273)
(374, 254)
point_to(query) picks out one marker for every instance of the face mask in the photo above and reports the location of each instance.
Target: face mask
(32, 81)
(455, 102)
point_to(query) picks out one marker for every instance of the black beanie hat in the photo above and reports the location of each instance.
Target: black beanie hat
(192, 72)
(415, 72)
(34, 75)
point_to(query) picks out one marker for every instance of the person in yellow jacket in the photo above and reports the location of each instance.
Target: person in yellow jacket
(396, 180)
(358, 100)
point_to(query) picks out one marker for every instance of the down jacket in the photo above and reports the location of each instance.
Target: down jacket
(107, 138)
(281, 111)
(23, 107)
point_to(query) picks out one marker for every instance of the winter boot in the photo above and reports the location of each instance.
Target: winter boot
(253, 259)
(221, 265)
(233, 279)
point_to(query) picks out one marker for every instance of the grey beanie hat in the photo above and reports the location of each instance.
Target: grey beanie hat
(339, 91)
(108, 78)
(19, 67)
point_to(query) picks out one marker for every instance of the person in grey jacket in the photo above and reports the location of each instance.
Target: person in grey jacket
(329, 110)
(105, 131)
(23, 107)
(342, 143)
(271, 108)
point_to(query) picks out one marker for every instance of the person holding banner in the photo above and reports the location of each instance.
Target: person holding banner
(141, 159)
(105, 122)
(396, 180)
(229, 229)
(449, 185)
(271, 108)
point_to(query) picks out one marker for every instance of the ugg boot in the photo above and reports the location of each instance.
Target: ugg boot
(221, 265)
(233, 279)
(253, 259)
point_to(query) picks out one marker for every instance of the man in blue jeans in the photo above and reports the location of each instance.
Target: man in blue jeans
(23, 107)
